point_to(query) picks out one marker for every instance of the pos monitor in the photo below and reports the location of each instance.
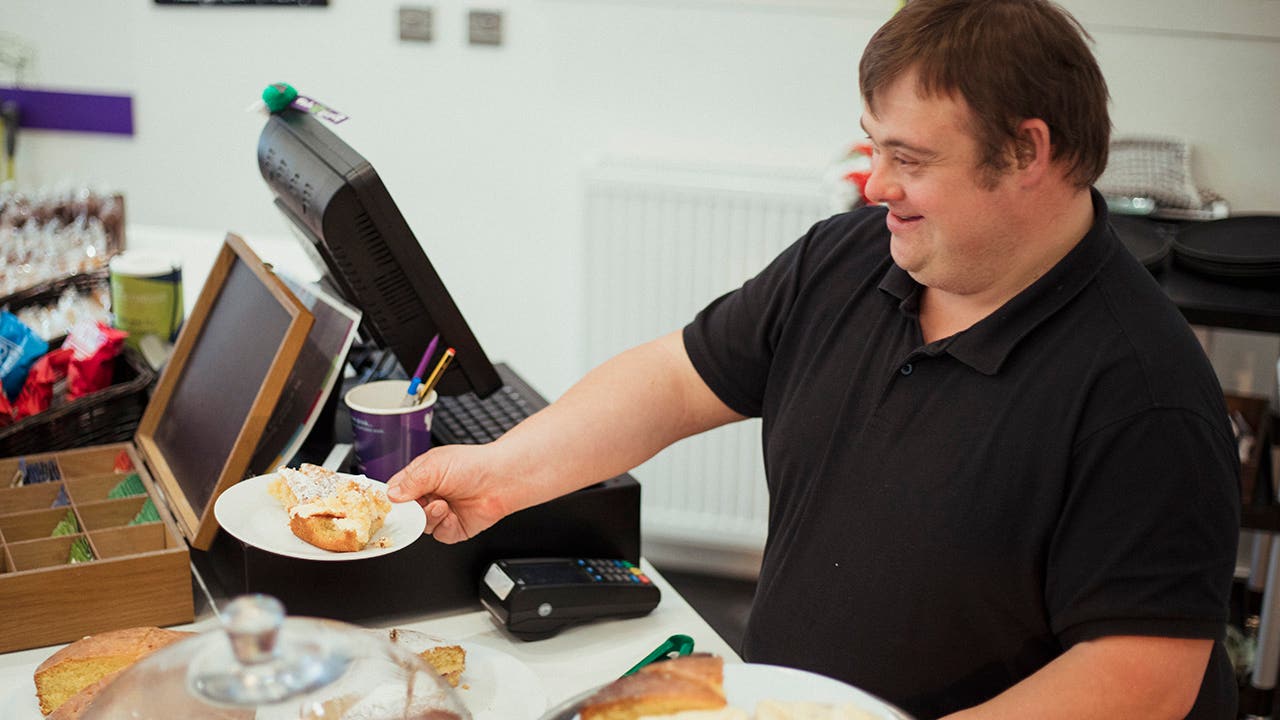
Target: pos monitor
(335, 198)
(337, 201)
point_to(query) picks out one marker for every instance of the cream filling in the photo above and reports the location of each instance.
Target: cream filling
(358, 523)
(351, 504)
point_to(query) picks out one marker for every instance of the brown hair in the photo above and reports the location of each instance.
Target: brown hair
(1010, 60)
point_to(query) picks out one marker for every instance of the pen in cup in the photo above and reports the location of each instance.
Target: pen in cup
(411, 397)
(430, 383)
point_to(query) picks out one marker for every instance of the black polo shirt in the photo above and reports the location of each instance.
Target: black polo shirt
(946, 518)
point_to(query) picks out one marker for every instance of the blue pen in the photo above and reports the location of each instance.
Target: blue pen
(412, 395)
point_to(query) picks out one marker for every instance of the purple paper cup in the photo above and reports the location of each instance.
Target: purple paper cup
(388, 435)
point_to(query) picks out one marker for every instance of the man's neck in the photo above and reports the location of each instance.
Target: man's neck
(1052, 232)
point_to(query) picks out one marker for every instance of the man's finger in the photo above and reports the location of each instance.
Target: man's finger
(449, 530)
(413, 481)
(436, 510)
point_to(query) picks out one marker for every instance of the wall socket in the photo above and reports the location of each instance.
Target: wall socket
(484, 27)
(416, 23)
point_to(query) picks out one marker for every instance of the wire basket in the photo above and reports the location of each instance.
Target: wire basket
(48, 293)
(106, 416)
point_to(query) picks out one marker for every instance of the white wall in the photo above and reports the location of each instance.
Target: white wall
(483, 147)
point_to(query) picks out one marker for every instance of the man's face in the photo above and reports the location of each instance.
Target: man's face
(945, 212)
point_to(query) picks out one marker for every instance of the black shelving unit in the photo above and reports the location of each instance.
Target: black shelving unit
(1252, 305)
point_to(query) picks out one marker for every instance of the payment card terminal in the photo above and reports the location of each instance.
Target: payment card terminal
(535, 598)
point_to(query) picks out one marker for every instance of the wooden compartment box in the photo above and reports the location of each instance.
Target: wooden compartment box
(195, 439)
(138, 575)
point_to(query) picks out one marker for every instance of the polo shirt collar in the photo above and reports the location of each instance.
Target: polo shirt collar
(987, 344)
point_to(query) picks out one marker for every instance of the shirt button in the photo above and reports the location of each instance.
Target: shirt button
(906, 369)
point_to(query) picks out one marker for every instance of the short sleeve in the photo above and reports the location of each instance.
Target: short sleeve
(1146, 542)
(731, 342)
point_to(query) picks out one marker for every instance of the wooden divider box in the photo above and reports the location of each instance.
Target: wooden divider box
(139, 574)
(196, 438)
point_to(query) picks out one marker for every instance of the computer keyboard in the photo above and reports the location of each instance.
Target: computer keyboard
(471, 420)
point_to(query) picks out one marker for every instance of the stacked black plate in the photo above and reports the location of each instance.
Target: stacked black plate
(1147, 240)
(1236, 247)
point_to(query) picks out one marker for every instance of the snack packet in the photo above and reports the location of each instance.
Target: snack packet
(80, 551)
(6, 411)
(37, 392)
(122, 464)
(93, 365)
(128, 487)
(19, 348)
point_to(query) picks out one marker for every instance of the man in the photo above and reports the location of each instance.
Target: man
(1001, 475)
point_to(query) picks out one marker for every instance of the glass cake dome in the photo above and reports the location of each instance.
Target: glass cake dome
(264, 666)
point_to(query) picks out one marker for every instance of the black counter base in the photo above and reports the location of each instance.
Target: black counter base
(428, 576)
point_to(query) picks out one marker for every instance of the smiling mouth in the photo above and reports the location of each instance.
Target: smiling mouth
(901, 223)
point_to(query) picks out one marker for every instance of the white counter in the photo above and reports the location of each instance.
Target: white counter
(577, 659)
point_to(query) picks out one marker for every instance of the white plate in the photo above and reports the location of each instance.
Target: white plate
(494, 685)
(747, 684)
(249, 512)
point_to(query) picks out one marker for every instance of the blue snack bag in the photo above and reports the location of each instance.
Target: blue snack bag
(19, 348)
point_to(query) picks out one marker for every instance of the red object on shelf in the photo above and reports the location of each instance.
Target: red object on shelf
(37, 392)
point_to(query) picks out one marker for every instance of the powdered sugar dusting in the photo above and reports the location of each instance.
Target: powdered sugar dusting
(309, 482)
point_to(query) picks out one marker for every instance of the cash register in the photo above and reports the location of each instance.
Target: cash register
(355, 233)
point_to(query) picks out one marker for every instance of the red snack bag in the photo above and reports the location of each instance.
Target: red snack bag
(93, 365)
(6, 411)
(37, 391)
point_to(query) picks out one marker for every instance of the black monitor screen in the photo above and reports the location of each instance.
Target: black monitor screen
(203, 419)
(334, 196)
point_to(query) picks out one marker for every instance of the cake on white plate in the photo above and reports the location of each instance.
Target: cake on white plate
(333, 512)
(692, 688)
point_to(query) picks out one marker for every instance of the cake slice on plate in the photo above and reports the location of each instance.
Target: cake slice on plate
(328, 510)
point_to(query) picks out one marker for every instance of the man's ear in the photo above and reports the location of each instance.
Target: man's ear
(1032, 147)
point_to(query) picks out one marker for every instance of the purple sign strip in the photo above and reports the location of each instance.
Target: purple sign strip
(82, 112)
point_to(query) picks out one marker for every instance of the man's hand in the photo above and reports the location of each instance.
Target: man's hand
(457, 488)
(615, 418)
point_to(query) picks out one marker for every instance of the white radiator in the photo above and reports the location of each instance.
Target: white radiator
(660, 244)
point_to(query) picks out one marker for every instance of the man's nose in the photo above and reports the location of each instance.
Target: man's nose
(881, 185)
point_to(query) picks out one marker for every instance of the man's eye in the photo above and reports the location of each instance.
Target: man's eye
(904, 161)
